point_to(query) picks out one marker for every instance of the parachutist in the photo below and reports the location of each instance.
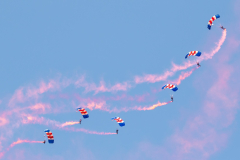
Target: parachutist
(80, 121)
(172, 98)
(198, 64)
(44, 141)
(223, 28)
(117, 131)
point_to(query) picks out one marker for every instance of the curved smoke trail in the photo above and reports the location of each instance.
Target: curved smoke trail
(18, 142)
(150, 78)
(102, 106)
(26, 119)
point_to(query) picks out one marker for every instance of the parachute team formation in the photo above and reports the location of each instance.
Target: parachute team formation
(169, 86)
(172, 87)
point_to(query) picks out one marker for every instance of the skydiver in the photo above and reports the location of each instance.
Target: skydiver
(117, 131)
(198, 64)
(44, 141)
(222, 28)
(80, 121)
(172, 98)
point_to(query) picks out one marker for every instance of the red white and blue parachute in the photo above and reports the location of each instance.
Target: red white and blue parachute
(211, 20)
(83, 112)
(119, 121)
(49, 135)
(193, 53)
(170, 86)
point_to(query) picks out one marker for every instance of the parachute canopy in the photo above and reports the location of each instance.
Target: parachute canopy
(49, 135)
(193, 53)
(119, 121)
(170, 86)
(83, 112)
(211, 20)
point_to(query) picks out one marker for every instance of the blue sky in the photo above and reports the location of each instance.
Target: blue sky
(113, 42)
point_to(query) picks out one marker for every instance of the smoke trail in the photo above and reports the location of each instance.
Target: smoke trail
(38, 108)
(87, 131)
(219, 44)
(156, 78)
(205, 56)
(18, 142)
(23, 94)
(22, 141)
(126, 97)
(102, 106)
(102, 87)
(151, 107)
(41, 120)
(69, 123)
(183, 76)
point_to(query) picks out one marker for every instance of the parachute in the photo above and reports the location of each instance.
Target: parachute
(170, 86)
(211, 20)
(49, 135)
(193, 53)
(119, 121)
(83, 112)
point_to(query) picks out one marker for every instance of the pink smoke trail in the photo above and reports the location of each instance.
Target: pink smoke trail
(151, 107)
(207, 131)
(183, 76)
(87, 131)
(23, 94)
(40, 120)
(20, 97)
(69, 123)
(102, 87)
(22, 141)
(104, 107)
(18, 142)
(156, 78)
(138, 98)
(205, 56)
(38, 108)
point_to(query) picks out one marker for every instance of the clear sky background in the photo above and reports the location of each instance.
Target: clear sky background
(47, 46)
